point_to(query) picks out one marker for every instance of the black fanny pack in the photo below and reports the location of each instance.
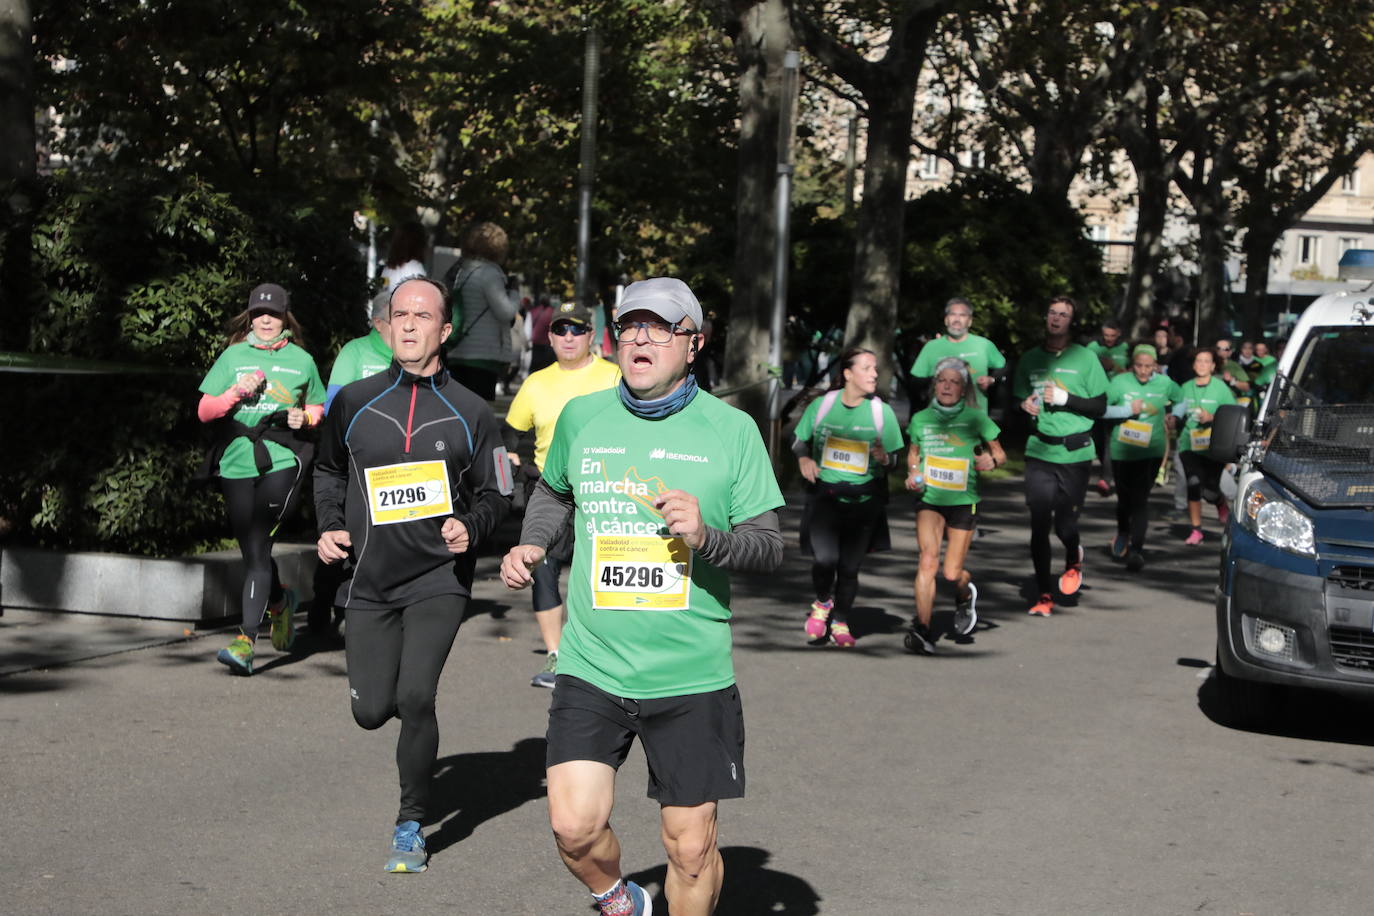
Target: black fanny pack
(1072, 442)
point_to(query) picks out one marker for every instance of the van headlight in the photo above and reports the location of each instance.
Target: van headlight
(1276, 521)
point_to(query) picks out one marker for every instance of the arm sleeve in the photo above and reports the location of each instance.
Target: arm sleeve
(331, 471)
(489, 479)
(753, 545)
(546, 514)
(510, 437)
(1086, 407)
(212, 407)
(329, 396)
(497, 297)
(1118, 412)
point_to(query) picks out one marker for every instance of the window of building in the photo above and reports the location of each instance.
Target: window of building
(1098, 233)
(1350, 184)
(1348, 242)
(930, 166)
(1307, 249)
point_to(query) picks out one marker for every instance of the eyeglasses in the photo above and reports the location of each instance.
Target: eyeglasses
(568, 327)
(659, 333)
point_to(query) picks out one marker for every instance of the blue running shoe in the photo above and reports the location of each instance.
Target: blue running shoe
(644, 904)
(407, 850)
(627, 899)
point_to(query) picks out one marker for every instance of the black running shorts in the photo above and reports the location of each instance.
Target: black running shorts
(960, 518)
(694, 744)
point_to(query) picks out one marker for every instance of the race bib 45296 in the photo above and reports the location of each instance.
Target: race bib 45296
(406, 492)
(641, 573)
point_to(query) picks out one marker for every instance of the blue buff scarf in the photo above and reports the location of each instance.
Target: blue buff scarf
(665, 406)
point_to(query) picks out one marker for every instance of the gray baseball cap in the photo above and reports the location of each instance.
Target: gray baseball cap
(667, 297)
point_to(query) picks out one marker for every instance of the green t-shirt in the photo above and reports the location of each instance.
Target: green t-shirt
(1143, 435)
(978, 352)
(360, 358)
(292, 381)
(1118, 355)
(1196, 436)
(841, 439)
(947, 446)
(646, 616)
(1076, 370)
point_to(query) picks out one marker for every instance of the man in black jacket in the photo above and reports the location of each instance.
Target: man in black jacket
(411, 478)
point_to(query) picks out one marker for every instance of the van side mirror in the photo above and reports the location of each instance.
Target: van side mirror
(1230, 433)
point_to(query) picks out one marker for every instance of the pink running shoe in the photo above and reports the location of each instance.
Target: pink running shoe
(839, 632)
(1194, 538)
(819, 619)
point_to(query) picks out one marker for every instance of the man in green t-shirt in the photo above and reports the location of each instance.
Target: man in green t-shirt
(671, 490)
(1063, 388)
(363, 357)
(1231, 372)
(1110, 349)
(985, 362)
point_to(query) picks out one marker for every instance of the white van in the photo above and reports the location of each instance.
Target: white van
(1295, 604)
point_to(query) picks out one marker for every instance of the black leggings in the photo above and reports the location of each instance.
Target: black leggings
(1134, 480)
(394, 659)
(1054, 495)
(840, 534)
(1203, 476)
(256, 505)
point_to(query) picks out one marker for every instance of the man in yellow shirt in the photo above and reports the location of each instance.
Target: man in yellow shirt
(537, 405)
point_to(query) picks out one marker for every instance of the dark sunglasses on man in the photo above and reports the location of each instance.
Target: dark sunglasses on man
(563, 328)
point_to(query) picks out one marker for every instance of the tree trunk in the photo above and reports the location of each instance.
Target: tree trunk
(1210, 211)
(1259, 246)
(878, 233)
(1137, 310)
(764, 35)
(18, 150)
(18, 172)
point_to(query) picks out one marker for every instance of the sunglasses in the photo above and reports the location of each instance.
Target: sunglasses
(562, 329)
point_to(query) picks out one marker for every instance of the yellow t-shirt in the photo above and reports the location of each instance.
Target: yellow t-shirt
(545, 393)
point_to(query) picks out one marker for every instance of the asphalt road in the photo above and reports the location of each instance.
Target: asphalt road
(1062, 766)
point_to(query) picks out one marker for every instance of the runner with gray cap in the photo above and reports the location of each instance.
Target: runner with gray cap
(671, 490)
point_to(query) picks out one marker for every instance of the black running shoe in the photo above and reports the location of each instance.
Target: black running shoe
(1135, 561)
(918, 640)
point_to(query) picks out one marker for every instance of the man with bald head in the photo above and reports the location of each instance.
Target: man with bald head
(670, 490)
(411, 479)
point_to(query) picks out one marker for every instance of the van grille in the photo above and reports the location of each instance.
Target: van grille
(1353, 578)
(1351, 648)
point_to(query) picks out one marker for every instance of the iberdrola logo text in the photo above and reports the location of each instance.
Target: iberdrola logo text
(677, 456)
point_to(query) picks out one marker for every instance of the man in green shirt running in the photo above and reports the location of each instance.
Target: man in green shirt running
(986, 363)
(1062, 386)
(671, 490)
(1111, 351)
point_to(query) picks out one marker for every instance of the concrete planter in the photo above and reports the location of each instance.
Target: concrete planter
(201, 590)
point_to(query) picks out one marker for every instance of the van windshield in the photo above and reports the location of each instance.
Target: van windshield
(1320, 441)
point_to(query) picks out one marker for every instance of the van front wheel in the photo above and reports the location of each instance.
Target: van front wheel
(1246, 704)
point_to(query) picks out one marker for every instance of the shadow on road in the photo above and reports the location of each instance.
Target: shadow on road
(750, 888)
(477, 787)
(1311, 715)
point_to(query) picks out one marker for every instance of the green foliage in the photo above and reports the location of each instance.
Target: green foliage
(1006, 251)
(145, 269)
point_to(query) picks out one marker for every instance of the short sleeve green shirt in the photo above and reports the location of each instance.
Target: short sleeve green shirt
(1143, 435)
(647, 617)
(1196, 436)
(947, 446)
(840, 441)
(360, 358)
(1077, 371)
(978, 352)
(292, 381)
(1118, 355)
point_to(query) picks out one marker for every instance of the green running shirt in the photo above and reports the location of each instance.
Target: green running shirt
(947, 444)
(1077, 371)
(978, 352)
(647, 617)
(1195, 436)
(1141, 436)
(841, 439)
(292, 381)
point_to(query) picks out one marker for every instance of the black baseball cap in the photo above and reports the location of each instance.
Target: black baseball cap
(269, 297)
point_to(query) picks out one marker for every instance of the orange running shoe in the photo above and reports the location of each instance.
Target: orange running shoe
(1073, 576)
(1042, 608)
